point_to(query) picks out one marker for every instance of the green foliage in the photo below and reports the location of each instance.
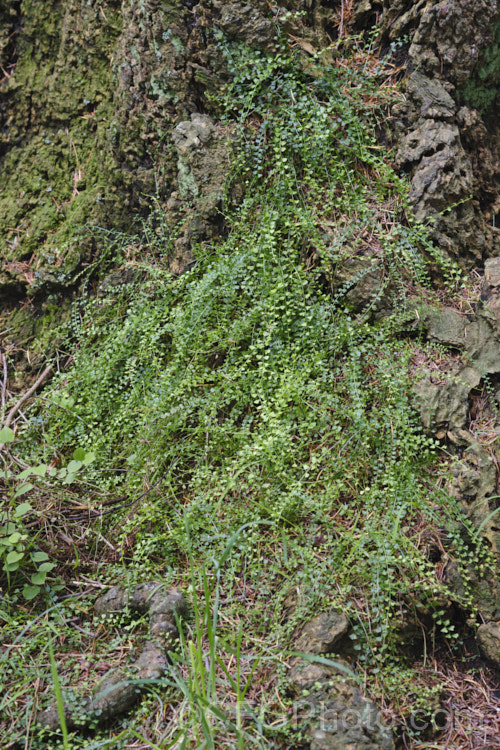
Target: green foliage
(6, 435)
(255, 392)
(214, 697)
(18, 549)
(20, 555)
(59, 698)
(482, 89)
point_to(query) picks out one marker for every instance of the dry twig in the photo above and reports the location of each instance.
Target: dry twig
(38, 382)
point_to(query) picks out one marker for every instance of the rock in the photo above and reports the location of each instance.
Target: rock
(119, 689)
(443, 399)
(456, 583)
(481, 146)
(442, 173)
(117, 692)
(481, 462)
(117, 279)
(483, 342)
(486, 594)
(304, 675)
(293, 598)
(144, 597)
(138, 599)
(492, 272)
(114, 600)
(484, 590)
(443, 402)
(474, 483)
(320, 634)
(443, 31)
(428, 138)
(435, 101)
(85, 124)
(202, 164)
(193, 133)
(444, 326)
(330, 712)
(248, 22)
(163, 612)
(488, 640)
(443, 406)
(490, 293)
(163, 606)
(441, 176)
(473, 476)
(190, 139)
(360, 279)
(362, 12)
(451, 156)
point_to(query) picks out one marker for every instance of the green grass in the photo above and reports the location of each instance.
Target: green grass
(272, 420)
